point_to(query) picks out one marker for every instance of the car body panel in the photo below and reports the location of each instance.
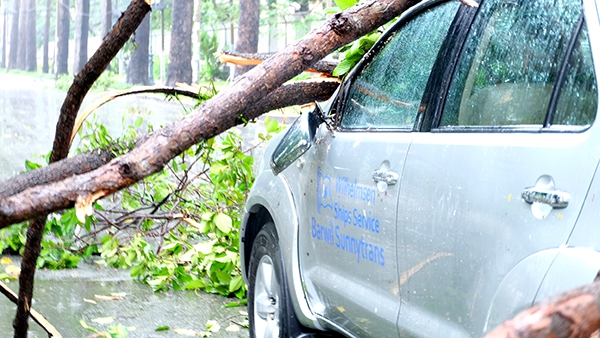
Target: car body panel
(470, 252)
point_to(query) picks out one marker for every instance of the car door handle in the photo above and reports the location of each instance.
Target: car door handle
(555, 198)
(387, 177)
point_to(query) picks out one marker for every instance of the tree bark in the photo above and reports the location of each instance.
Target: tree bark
(62, 36)
(82, 27)
(105, 17)
(45, 67)
(137, 70)
(30, 37)
(180, 55)
(14, 36)
(22, 49)
(210, 119)
(573, 314)
(249, 22)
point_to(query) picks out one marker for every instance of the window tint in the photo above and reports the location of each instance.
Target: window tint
(510, 62)
(388, 91)
(578, 100)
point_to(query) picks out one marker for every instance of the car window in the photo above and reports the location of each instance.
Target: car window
(578, 100)
(510, 63)
(387, 93)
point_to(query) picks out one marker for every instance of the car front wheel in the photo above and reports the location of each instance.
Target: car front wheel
(270, 310)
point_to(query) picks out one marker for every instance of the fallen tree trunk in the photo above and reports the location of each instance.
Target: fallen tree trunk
(296, 93)
(215, 116)
(573, 314)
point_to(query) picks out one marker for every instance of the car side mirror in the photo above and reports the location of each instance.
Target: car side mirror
(297, 140)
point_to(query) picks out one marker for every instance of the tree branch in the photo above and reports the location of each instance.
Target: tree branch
(209, 120)
(573, 314)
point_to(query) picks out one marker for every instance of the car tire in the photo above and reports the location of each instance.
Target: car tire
(270, 311)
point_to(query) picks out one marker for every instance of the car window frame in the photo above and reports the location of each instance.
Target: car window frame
(339, 103)
(434, 105)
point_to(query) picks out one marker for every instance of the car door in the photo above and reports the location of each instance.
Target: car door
(348, 232)
(499, 180)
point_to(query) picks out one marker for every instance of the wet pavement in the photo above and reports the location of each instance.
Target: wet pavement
(65, 297)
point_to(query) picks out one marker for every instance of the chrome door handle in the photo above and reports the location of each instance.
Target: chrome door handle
(387, 177)
(554, 198)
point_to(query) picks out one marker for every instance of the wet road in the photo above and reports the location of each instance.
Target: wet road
(65, 297)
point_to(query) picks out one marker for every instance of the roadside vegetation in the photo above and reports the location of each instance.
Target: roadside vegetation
(176, 229)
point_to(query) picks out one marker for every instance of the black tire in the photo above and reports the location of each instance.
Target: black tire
(270, 311)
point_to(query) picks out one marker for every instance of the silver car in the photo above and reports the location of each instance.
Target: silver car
(449, 184)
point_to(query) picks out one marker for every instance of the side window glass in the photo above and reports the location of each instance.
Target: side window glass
(578, 100)
(388, 91)
(510, 63)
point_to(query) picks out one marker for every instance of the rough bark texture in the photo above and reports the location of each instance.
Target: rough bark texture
(45, 67)
(574, 314)
(35, 232)
(57, 171)
(62, 36)
(247, 39)
(82, 27)
(137, 70)
(30, 37)
(180, 55)
(14, 36)
(209, 120)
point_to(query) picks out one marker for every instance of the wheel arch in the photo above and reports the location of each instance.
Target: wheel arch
(271, 199)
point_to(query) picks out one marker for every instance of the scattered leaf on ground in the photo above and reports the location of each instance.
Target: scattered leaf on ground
(233, 328)
(186, 332)
(89, 301)
(108, 297)
(5, 261)
(212, 326)
(103, 320)
(162, 328)
(13, 270)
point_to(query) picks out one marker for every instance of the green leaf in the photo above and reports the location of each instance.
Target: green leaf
(345, 4)
(223, 222)
(236, 283)
(343, 67)
(29, 166)
(195, 284)
(85, 326)
(162, 328)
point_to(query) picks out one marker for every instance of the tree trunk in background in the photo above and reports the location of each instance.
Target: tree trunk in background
(301, 29)
(14, 36)
(31, 37)
(62, 37)
(82, 27)
(180, 55)
(22, 49)
(105, 17)
(247, 39)
(137, 70)
(45, 67)
(4, 26)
